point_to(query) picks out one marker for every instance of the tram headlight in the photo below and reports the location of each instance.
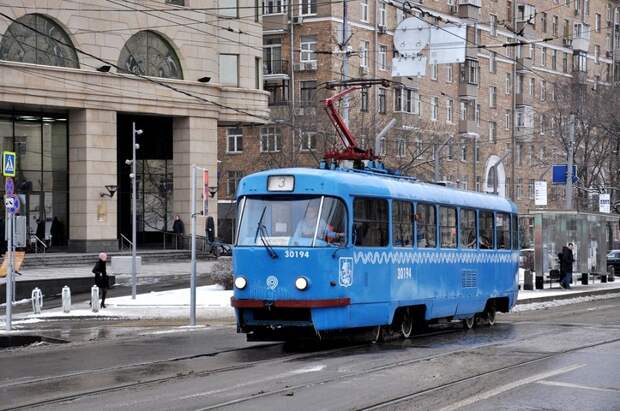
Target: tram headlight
(240, 283)
(301, 283)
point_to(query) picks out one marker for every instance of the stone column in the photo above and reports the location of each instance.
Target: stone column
(194, 142)
(92, 166)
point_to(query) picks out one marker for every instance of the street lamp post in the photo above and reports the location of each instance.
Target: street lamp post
(135, 132)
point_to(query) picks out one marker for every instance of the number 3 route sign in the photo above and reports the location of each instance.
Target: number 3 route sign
(8, 163)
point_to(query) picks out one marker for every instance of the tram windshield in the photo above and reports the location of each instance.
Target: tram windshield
(292, 222)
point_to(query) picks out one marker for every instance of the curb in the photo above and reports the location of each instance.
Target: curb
(568, 296)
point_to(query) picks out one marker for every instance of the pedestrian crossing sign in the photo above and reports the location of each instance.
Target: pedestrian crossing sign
(8, 163)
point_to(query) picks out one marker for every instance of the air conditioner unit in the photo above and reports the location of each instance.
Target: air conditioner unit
(298, 19)
(310, 66)
(298, 67)
(382, 29)
(363, 70)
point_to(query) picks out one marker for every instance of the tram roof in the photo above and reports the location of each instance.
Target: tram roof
(345, 182)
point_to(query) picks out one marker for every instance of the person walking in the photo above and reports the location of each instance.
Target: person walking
(101, 277)
(179, 229)
(566, 265)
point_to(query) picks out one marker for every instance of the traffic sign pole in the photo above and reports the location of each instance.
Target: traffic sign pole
(9, 277)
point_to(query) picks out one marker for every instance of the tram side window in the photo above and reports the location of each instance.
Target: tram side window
(447, 227)
(502, 225)
(425, 221)
(402, 223)
(515, 231)
(370, 222)
(486, 230)
(468, 228)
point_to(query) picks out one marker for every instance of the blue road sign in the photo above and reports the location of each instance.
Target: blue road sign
(8, 163)
(559, 172)
(9, 186)
(11, 202)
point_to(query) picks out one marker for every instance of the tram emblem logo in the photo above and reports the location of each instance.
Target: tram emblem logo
(272, 282)
(345, 276)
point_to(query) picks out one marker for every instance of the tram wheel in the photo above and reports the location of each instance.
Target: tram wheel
(406, 325)
(376, 335)
(491, 316)
(469, 323)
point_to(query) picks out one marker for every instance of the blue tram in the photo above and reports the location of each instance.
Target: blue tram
(321, 251)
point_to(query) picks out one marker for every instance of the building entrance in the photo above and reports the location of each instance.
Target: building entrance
(154, 183)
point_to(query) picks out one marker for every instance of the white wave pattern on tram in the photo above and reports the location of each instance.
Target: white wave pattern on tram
(430, 257)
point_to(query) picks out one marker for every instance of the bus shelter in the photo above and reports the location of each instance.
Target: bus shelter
(547, 231)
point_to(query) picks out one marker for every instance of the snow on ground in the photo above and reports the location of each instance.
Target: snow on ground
(556, 303)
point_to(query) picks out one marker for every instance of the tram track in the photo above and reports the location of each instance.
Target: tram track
(290, 390)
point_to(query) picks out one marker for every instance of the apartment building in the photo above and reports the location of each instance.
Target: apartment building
(456, 122)
(77, 79)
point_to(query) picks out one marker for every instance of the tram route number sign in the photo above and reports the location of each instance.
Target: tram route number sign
(8, 163)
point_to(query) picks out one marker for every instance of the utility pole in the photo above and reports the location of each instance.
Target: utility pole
(292, 76)
(513, 137)
(192, 308)
(10, 275)
(569, 170)
(135, 132)
(345, 57)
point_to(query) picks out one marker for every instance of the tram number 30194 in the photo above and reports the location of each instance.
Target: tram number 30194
(296, 254)
(403, 273)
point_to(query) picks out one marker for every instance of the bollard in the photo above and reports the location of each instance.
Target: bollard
(66, 299)
(37, 300)
(94, 298)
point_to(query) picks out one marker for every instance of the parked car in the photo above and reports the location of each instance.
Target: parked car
(613, 260)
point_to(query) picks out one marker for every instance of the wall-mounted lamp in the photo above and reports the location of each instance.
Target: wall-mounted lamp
(212, 191)
(204, 79)
(104, 69)
(111, 190)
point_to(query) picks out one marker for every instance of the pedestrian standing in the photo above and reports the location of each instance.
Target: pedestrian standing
(566, 265)
(179, 229)
(101, 277)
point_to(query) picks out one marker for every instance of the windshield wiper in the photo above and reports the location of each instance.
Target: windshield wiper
(260, 230)
(263, 237)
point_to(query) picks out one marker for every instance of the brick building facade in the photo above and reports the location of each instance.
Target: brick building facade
(456, 122)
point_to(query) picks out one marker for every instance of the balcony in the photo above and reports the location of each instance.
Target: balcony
(581, 42)
(467, 126)
(524, 98)
(524, 127)
(275, 68)
(469, 9)
(468, 90)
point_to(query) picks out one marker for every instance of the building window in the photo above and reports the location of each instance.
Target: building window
(542, 123)
(544, 22)
(580, 61)
(145, 53)
(382, 14)
(234, 140)
(417, 104)
(530, 189)
(382, 57)
(274, 6)
(364, 45)
(492, 132)
(434, 108)
(519, 83)
(463, 152)
(532, 88)
(232, 182)
(307, 7)
(449, 110)
(229, 70)
(269, 140)
(543, 90)
(565, 62)
(308, 141)
(364, 10)
(477, 115)
(308, 49)
(554, 59)
(507, 120)
(364, 100)
(228, 8)
(401, 148)
(492, 97)
(554, 25)
(449, 78)
(543, 56)
(493, 22)
(478, 183)
(257, 69)
(508, 83)
(51, 46)
(597, 23)
(433, 71)
(471, 72)
(492, 62)
(519, 187)
(597, 53)
(308, 90)
(381, 104)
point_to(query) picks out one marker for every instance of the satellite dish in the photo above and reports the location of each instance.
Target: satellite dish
(411, 36)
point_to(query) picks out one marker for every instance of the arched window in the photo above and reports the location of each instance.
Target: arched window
(149, 54)
(34, 38)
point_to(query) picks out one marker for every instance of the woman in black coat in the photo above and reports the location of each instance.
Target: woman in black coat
(101, 277)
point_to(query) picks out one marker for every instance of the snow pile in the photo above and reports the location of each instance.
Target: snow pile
(556, 303)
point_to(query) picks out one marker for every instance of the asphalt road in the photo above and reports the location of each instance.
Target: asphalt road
(565, 358)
